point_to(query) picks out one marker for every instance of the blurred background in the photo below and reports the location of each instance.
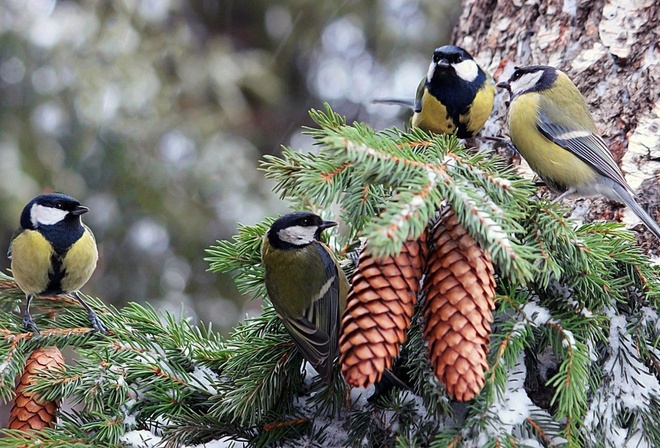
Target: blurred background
(155, 114)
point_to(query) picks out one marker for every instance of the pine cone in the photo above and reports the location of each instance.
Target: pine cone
(460, 287)
(379, 307)
(8, 285)
(28, 412)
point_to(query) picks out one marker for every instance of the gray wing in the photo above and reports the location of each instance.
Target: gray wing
(316, 332)
(419, 95)
(583, 143)
(328, 303)
(324, 312)
(312, 342)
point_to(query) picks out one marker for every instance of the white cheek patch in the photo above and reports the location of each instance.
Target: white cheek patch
(429, 74)
(46, 216)
(467, 70)
(526, 82)
(298, 235)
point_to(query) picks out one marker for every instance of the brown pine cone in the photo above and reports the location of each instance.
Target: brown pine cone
(379, 307)
(28, 412)
(460, 287)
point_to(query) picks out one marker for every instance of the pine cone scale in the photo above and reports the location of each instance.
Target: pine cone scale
(28, 411)
(460, 287)
(379, 307)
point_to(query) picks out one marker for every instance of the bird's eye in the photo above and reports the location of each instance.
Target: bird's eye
(305, 222)
(58, 205)
(459, 59)
(436, 58)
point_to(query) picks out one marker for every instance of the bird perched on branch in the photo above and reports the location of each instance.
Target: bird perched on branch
(306, 285)
(552, 128)
(53, 252)
(456, 96)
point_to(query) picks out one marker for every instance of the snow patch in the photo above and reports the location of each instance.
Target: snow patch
(537, 314)
(632, 380)
(206, 378)
(627, 390)
(140, 439)
(511, 409)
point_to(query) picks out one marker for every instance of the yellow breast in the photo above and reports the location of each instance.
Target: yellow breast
(433, 117)
(480, 109)
(80, 262)
(551, 162)
(30, 261)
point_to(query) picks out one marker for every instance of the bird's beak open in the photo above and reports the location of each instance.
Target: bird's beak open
(79, 210)
(327, 224)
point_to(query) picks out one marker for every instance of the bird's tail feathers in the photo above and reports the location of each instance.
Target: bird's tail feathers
(630, 201)
(403, 102)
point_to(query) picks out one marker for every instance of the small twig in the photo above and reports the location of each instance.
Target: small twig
(298, 421)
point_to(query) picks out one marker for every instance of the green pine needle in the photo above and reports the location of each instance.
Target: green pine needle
(575, 328)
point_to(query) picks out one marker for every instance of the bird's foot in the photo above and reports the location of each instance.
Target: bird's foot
(29, 324)
(97, 323)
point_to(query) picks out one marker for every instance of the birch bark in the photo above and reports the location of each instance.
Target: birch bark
(610, 49)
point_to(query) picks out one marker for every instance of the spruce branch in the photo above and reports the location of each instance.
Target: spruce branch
(627, 406)
(242, 255)
(49, 438)
(263, 372)
(574, 331)
(559, 277)
(509, 342)
(411, 179)
(511, 416)
(325, 176)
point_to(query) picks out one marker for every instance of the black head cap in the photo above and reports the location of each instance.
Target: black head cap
(532, 78)
(451, 54)
(303, 220)
(51, 200)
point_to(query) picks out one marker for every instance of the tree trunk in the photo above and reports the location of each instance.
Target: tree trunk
(609, 48)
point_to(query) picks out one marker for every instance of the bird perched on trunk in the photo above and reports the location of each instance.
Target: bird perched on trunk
(306, 285)
(53, 252)
(456, 96)
(552, 128)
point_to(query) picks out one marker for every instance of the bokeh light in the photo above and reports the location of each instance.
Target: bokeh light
(156, 113)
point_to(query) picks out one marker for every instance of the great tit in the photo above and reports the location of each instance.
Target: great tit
(53, 252)
(551, 127)
(456, 95)
(306, 285)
